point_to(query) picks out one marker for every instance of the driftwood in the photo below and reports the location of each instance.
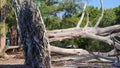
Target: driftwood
(12, 47)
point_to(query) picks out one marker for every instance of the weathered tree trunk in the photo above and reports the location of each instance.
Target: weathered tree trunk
(13, 36)
(35, 43)
(68, 51)
(2, 37)
(2, 28)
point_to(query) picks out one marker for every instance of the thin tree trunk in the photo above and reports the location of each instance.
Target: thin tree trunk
(2, 28)
(13, 36)
(2, 38)
(35, 43)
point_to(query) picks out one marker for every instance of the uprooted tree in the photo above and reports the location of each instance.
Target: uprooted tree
(105, 34)
(33, 34)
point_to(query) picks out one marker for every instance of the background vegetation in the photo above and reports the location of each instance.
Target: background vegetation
(65, 14)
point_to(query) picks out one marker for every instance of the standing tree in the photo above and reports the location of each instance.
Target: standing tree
(2, 24)
(33, 37)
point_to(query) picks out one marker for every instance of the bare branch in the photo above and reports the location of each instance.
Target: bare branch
(87, 20)
(103, 58)
(17, 5)
(82, 16)
(59, 35)
(100, 18)
(68, 51)
(108, 30)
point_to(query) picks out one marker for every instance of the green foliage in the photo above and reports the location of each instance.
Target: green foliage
(52, 22)
(108, 18)
(3, 26)
(77, 42)
(10, 18)
(117, 13)
(69, 22)
(94, 14)
(94, 45)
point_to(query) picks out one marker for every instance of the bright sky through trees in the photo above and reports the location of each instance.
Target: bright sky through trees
(107, 3)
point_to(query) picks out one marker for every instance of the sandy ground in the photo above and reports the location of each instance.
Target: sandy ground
(17, 61)
(12, 62)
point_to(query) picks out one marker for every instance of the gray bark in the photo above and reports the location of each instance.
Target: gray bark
(35, 44)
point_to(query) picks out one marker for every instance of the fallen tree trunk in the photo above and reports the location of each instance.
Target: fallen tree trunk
(79, 51)
(68, 51)
(59, 35)
(100, 34)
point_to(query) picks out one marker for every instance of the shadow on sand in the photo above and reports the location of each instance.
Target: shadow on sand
(14, 66)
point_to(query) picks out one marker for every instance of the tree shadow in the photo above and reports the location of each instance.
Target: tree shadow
(14, 66)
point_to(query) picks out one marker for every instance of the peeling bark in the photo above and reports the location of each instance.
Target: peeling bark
(35, 44)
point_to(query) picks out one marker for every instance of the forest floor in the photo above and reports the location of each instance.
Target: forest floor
(16, 60)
